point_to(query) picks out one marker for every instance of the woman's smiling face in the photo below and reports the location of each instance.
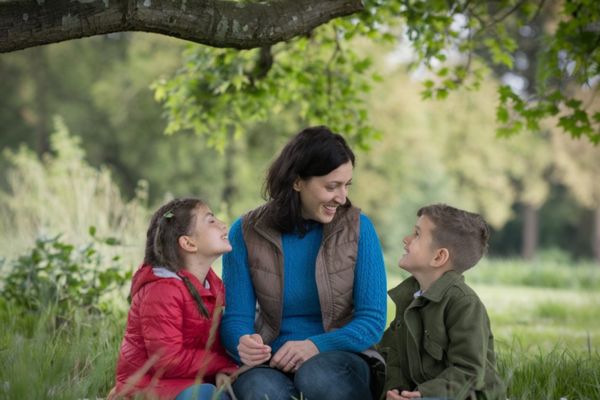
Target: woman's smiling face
(320, 196)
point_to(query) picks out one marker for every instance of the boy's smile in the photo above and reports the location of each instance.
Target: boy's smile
(418, 246)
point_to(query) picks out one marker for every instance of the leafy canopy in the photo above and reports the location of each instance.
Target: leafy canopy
(324, 78)
(321, 77)
(457, 40)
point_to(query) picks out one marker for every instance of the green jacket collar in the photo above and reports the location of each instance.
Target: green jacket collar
(435, 293)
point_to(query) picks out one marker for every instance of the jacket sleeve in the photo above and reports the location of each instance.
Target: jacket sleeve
(369, 295)
(161, 317)
(240, 299)
(395, 378)
(468, 335)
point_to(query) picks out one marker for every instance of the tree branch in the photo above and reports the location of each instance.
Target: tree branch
(217, 23)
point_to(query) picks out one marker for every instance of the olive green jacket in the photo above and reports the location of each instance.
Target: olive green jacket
(440, 343)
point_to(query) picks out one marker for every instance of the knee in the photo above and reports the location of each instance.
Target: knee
(334, 375)
(203, 391)
(264, 383)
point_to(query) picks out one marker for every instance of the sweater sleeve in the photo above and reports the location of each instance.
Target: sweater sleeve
(238, 319)
(368, 323)
(161, 319)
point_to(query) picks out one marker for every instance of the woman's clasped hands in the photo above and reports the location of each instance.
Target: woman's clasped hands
(292, 354)
(288, 358)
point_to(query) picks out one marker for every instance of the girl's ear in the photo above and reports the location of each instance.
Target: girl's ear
(441, 258)
(186, 243)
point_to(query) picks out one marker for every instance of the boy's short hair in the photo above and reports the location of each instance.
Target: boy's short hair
(463, 233)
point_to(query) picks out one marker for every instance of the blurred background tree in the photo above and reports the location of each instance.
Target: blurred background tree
(227, 112)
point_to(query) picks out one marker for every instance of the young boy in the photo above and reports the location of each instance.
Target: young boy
(440, 344)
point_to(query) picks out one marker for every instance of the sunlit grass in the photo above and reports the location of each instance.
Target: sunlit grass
(542, 317)
(545, 272)
(557, 373)
(62, 194)
(546, 340)
(75, 361)
(546, 323)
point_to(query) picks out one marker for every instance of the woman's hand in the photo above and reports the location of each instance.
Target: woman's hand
(292, 354)
(252, 350)
(222, 379)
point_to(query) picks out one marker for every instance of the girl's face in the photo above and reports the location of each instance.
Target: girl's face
(320, 196)
(208, 233)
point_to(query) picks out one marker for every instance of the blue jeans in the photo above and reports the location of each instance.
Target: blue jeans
(333, 375)
(202, 391)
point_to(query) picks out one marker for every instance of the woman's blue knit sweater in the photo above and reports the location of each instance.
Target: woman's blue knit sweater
(301, 309)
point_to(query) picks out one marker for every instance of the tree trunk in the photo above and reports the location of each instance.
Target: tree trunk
(530, 231)
(38, 65)
(218, 23)
(596, 235)
(228, 173)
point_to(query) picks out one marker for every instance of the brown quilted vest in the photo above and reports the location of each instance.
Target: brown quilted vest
(334, 270)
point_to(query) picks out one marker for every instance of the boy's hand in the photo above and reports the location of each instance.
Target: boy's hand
(252, 350)
(404, 395)
(292, 354)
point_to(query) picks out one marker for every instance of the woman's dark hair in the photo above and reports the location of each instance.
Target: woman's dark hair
(315, 151)
(167, 225)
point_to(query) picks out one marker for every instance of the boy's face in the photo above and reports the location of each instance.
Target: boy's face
(418, 247)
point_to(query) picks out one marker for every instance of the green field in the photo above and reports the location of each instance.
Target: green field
(547, 338)
(537, 316)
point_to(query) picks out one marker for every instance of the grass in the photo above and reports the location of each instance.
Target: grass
(545, 272)
(521, 308)
(556, 374)
(73, 362)
(546, 340)
(546, 323)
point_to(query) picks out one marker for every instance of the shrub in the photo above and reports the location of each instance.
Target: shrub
(61, 275)
(62, 192)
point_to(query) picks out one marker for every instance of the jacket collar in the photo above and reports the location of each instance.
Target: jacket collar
(214, 283)
(409, 285)
(146, 274)
(439, 288)
(435, 293)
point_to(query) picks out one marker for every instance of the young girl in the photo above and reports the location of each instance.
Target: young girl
(171, 341)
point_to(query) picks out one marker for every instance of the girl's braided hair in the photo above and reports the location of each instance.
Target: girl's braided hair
(167, 225)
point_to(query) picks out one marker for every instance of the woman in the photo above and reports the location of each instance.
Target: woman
(306, 289)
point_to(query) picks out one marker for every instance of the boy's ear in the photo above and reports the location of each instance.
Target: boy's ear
(441, 258)
(186, 243)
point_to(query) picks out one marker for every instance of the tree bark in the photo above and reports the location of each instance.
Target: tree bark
(217, 23)
(530, 231)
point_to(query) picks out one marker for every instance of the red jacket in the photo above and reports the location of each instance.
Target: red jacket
(164, 348)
